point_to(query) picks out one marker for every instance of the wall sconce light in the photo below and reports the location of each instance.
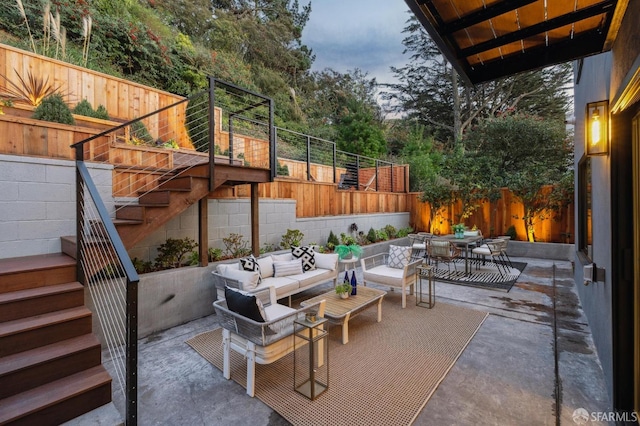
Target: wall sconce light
(597, 132)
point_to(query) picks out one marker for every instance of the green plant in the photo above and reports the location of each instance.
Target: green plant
(172, 252)
(391, 231)
(267, 248)
(282, 169)
(332, 240)
(197, 122)
(194, 258)
(347, 240)
(214, 254)
(84, 108)
(54, 109)
(344, 250)
(140, 132)
(371, 235)
(458, 227)
(403, 232)
(171, 144)
(362, 238)
(235, 245)
(511, 231)
(292, 238)
(343, 288)
(381, 235)
(142, 266)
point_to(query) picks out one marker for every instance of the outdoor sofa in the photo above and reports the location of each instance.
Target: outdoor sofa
(286, 273)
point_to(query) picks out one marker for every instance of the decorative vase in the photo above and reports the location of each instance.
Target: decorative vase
(344, 295)
(354, 284)
(459, 234)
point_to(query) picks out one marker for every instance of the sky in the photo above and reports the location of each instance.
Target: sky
(349, 34)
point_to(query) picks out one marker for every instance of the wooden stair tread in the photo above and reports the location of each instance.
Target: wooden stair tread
(31, 293)
(42, 354)
(33, 400)
(39, 262)
(31, 323)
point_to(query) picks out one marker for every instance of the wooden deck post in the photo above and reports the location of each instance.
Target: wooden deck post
(255, 220)
(203, 231)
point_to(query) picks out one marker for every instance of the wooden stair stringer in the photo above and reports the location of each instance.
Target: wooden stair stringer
(158, 216)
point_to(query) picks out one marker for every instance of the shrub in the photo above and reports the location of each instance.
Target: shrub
(292, 238)
(142, 266)
(347, 240)
(172, 252)
(332, 240)
(381, 235)
(197, 122)
(403, 232)
(511, 231)
(282, 170)
(54, 109)
(371, 235)
(84, 108)
(391, 231)
(215, 254)
(236, 246)
(139, 131)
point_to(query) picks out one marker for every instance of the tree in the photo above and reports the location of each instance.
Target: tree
(438, 192)
(527, 153)
(431, 92)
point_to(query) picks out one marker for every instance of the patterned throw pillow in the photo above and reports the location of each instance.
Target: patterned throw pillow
(399, 256)
(306, 254)
(251, 264)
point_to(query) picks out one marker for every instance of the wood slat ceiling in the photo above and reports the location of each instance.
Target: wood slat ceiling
(489, 39)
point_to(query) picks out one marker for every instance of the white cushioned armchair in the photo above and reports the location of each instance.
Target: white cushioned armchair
(376, 269)
(260, 342)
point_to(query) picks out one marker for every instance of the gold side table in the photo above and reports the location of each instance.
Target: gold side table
(310, 370)
(425, 272)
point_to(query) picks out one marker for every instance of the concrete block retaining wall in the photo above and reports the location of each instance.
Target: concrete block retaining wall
(229, 216)
(37, 202)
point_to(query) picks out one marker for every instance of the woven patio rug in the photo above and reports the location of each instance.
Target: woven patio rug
(383, 376)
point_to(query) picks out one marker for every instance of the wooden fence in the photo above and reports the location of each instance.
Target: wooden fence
(315, 199)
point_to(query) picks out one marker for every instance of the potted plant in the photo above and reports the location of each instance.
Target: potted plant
(458, 230)
(343, 290)
(345, 251)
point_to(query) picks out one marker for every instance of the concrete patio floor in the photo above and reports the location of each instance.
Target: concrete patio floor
(532, 362)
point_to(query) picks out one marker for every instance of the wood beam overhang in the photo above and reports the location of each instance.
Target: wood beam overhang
(542, 27)
(482, 15)
(536, 58)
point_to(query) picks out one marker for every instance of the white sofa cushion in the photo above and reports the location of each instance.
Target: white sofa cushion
(384, 275)
(248, 280)
(326, 261)
(313, 277)
(224, 267)
(282, 257)
(282, 285)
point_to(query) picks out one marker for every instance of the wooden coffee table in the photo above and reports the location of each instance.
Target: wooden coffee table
(340, 311)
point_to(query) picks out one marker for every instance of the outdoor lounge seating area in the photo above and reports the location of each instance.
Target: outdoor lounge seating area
(179, 385)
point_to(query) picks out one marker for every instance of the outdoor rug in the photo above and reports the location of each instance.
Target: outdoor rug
(482, 275)
(383, 376)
